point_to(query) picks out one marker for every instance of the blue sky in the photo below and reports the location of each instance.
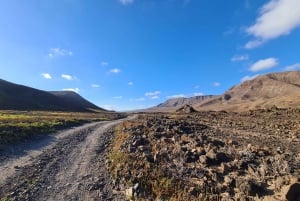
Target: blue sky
(130, 54)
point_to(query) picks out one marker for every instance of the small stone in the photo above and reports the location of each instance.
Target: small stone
(211, 154)
(129, 193)
(227, 180)
(203, 159)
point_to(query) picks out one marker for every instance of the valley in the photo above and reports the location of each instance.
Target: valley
(241, 145)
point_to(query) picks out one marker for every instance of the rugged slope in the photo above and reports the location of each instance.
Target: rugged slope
(19, 97)
(175, 103)
(279, 89)
(275, 89)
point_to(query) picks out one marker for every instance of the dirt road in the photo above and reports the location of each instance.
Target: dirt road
(68, 166)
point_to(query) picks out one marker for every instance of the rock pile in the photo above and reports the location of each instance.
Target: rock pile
(213, 155)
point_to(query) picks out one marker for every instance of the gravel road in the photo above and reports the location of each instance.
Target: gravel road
(70, 165)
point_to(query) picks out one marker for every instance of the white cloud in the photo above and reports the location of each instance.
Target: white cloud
(104, 63)
(155, 97)
(239, 58)
(196, 87)
(216, 84)
(67, 77)
(130, 83)
(154, 93)
(115, 70)
(292, 67)
(72, 89)
(277, 18)
(95, 85)
(264, 64)
(253, 44)
(54, 52)
(126, 2)
(118, 97)
(46, 75)
(177, 96)
(247, 77)
(198, 94)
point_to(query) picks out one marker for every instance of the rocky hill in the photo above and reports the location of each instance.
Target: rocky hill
(174, 104)
(19, 97)
(276, 89)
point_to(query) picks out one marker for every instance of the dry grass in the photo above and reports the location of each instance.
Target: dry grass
(16, 126)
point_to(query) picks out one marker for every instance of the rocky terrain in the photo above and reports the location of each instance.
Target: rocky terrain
(253, 155)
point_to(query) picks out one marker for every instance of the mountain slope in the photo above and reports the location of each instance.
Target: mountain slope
(19, 97)
(175, 103)
(75, 100)
(279, 89)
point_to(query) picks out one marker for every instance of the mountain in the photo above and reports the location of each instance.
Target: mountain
(275, 89)
(176, 103)
(279, 89)
(19, 97)
(75, 100)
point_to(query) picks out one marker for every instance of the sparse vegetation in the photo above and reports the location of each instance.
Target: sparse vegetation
(16, 126)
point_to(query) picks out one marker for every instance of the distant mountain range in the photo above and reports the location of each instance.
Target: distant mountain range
(19, 97)
(275, 89)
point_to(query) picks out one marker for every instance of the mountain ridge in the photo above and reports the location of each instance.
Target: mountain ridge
(20, 97)
(280, 89)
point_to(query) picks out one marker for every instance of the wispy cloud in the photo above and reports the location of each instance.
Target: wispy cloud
(196, 87)
(46, 75)
(264, 64)
(254, 44)
(95, 85)
(198, 94)
(55, 52)
(276, 18)
(154, 93)
(126, 2)
(247, 77)
(130, 83)
(155, 97)
(177, 96)
(239, 58)
(217, 84)
(292, 67)
(67, 77)
(104, 63)
(117, 97)
(115, 70)
(72, 89)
